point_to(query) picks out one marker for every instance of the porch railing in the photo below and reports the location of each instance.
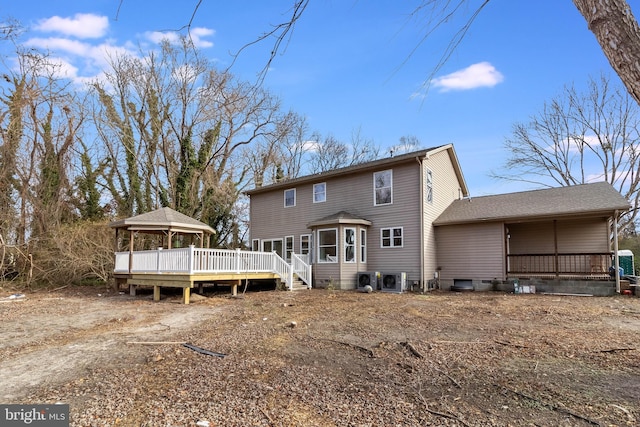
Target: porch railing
(192, 260)
(584, 265)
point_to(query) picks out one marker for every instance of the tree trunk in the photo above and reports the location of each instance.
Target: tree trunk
(617, 32)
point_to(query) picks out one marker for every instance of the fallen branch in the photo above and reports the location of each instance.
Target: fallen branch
(156, 342)
(266, 415)
(613, 350)
(453, 380)
(203, 351)
(439, 414)
(552, 406)
(510, 344)
(412, 349)
(366, 350)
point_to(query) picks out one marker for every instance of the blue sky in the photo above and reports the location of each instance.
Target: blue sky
(349, 63)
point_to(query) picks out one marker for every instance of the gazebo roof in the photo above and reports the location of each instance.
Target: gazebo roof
(164, 219)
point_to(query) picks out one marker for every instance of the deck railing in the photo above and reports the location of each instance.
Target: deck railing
(586, 265)
(194, 260)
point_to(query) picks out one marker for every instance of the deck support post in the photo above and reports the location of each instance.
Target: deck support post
(234, 288)
(156, 293)
(185, 295)
(132, 290)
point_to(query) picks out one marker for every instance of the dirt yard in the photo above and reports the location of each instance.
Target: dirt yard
(324, 358)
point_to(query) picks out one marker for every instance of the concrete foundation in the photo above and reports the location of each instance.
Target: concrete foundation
(599, 288)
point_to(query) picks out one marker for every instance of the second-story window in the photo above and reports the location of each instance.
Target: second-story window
(429, 186)
(319, 192)
(382, 188)
(289, 197)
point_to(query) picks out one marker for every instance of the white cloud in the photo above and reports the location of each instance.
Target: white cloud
(82, 25)
(197, 36)
(482, 74)
(159, 36)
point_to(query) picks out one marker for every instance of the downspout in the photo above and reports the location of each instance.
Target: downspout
(422, 278)
(616, 259)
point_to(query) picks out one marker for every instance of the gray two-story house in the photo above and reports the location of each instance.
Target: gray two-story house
(371, 217)
(410, 219)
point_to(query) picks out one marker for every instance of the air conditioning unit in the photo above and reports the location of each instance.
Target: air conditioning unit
(367, 278)
(393, 282)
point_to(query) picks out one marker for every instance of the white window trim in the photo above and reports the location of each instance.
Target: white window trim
(295, 196)
(354, 245)
(375, 201)
(308, 236)
(333, 259)
(392, 244)
(429, 185)
(288, 251)
(272, 241)
(362, 245)
(325, 192)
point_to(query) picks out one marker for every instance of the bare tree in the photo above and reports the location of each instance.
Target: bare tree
(617, 32)
(580, 138)
(174, 128)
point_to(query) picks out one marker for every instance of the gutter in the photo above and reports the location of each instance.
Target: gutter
(422, 278)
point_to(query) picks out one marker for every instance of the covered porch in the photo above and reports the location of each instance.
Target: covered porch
(556, 237)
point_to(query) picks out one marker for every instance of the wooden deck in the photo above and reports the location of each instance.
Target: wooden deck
(189, 267)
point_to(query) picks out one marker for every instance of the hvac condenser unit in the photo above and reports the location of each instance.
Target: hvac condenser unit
(367, 278)
(393, 282)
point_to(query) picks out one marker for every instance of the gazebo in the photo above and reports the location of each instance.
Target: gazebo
(166, 223)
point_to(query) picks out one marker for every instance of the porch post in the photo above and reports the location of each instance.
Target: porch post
(616, 261)
(555, 247)
(130, 250)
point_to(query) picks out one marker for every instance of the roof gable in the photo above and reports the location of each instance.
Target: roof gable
(584, 199)
(162, 218)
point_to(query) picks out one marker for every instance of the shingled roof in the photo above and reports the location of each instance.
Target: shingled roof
(367, 166)
(163, 219)
(585, 199)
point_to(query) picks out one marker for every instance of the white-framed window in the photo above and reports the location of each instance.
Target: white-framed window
(305, 244)
(428, 187)
(289, 197)
(391, 237)
(383, 188)
(320, 192)
(349, 244)
(288, 247)
(272, 245)
(363, 245)
(255, 245)
(328, 245)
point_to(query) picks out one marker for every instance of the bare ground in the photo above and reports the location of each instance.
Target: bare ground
(350, 359)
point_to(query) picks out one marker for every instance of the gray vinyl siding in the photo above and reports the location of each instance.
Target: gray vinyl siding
(473, 251)
(446, 189)
(354, 194)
